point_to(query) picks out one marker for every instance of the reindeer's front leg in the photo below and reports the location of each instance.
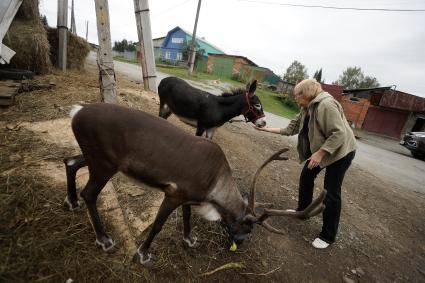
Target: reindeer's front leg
(168, 205)
(187, 238)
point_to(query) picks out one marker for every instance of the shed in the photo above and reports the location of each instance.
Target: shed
(227, 65)
(157, 43)
(384, 110)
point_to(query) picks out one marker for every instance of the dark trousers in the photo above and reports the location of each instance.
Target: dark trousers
(333, 180)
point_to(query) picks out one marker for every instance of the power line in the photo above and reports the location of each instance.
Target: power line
(333, 7)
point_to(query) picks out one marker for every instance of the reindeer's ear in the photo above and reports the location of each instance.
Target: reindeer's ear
(252, 88)
(250, 219)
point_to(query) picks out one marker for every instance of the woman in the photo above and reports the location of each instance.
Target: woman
(325, 140)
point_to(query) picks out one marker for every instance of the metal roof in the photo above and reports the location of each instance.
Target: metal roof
(234, 56)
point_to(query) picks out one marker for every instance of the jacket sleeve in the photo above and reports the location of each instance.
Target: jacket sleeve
(293, 127)
(331, 122)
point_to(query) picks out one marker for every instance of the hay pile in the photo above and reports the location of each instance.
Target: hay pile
(77, 51)
(28, 38)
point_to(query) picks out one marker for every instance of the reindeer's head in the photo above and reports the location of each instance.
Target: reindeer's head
(240, 229)
(253, 111)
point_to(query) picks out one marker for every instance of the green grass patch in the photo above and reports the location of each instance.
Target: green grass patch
(125, 60)
(182, 72)
(272, 103)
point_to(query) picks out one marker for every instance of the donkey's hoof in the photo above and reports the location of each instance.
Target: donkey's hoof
(191, 242)
(72, 206)
(147, 260)
(106, 243)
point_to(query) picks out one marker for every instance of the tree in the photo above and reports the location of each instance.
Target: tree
(124, 45)
(43, 20)
(186, 51)
(353, 78)
(318, 76)
(295, 73)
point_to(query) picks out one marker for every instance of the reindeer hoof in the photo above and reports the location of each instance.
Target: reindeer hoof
(191, 242)
(146, 260)
(72, 206)
(106, 243)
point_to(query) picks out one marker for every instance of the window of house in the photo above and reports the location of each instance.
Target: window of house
(177, 40)
(179, 56)
(167, 55)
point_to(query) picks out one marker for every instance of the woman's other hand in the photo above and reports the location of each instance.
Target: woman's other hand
(316, 158)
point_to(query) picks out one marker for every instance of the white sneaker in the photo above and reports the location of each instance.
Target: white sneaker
(320, 244)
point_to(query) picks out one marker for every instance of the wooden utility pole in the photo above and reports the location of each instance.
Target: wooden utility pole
(62, 25)
(104, 55)
(73, 27)
(87, 31)
(192, 46)
(141, 9)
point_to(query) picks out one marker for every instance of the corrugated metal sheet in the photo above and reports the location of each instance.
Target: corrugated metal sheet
(334, 90)
(223, 66)
(385, 121)
(404, 101)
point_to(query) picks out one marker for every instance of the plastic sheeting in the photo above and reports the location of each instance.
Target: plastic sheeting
(8, 9)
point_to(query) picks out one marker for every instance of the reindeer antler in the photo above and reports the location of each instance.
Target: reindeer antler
(313, 209)
(275, 156)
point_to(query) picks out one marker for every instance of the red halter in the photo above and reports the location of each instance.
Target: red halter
(250, 109)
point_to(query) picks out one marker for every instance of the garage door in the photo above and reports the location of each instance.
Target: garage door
(384, 121)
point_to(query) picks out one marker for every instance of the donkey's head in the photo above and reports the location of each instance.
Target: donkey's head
(253, 111)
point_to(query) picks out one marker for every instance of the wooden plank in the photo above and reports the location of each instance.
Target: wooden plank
(8, 91)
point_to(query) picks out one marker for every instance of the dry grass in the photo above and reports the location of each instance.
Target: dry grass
(77, 49)
(28, 10)
(28, 39)
(42, 242)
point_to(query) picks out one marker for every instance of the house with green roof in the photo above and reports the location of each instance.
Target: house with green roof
(177, 40)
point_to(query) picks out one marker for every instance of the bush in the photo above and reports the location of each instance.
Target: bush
(289, 101)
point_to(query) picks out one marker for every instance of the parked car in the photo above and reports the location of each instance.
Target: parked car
(415, 142)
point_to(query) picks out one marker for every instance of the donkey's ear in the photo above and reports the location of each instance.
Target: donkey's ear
(251, 88)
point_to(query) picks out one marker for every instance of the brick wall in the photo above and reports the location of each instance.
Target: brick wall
(355, 111)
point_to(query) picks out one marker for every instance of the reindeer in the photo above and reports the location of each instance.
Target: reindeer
(191, 171)
(206, 111)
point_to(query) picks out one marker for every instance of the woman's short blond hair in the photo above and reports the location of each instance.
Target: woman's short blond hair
(309, 88)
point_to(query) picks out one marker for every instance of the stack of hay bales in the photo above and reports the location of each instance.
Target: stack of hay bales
(28, 38)
(77, 51)
(36, 45)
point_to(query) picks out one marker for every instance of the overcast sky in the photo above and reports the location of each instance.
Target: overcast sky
(387, 45)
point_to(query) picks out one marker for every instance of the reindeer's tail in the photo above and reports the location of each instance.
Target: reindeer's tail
(74, 110)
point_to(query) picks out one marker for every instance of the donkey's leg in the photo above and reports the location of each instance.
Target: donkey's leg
(99, 176)
(187, 238)
(210, 132)
(200, 130)
(168, 205)
(164, 110)
(72, 164)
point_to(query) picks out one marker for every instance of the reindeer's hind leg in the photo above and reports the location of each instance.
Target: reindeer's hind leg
(72, 164)
(168, 205)
(100, 173)
(164, 110)
(187, 238)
